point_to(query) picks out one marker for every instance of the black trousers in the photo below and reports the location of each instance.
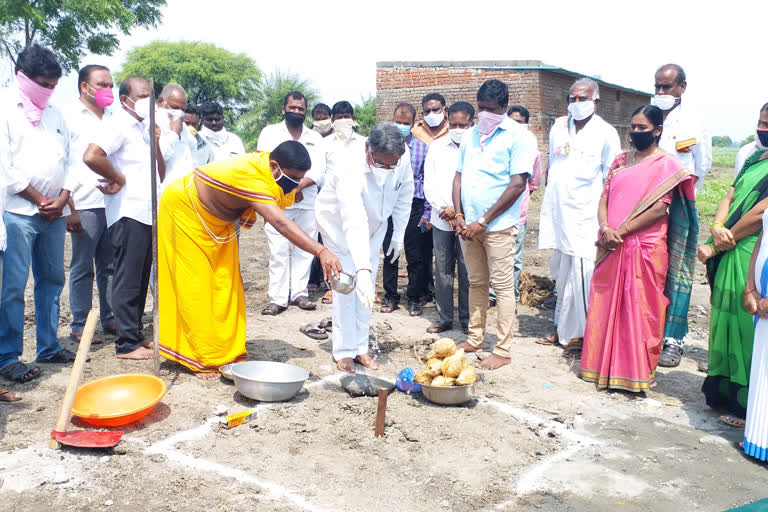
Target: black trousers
(132, 242)
(316, 270)
(418, 253)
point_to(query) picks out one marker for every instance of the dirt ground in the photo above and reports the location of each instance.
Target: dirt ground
(535, 438)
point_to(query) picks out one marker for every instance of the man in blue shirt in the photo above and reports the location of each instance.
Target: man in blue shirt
(495, 160)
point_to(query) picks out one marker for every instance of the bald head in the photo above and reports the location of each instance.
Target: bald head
(173, 97)
(670, 80)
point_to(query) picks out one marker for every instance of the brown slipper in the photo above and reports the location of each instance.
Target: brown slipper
(273, 310)
(304, 303)
(549, 340)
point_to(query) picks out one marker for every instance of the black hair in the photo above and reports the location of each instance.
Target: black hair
(125, 85)
(764, 108)
(680, 72)
(296, 95)
(520, 110)
(494, 90)
(462, 106)
(191, 108)
(342, 107)
(36, 61)
(210, 108)
(321, 108)
(406, 106)
(653, 114)
(291, 154)
(85, 73)
(433, 96)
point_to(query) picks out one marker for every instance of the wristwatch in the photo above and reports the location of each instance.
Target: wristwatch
(482, 222)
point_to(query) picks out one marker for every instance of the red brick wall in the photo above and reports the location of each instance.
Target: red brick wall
(544, 93)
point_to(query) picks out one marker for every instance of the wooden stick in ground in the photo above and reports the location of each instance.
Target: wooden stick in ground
(381, 412)
(153, 173)
(74, 378)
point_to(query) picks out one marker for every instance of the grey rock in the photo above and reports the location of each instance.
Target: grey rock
(364, 385)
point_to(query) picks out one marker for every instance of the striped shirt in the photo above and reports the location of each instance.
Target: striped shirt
(418, 155)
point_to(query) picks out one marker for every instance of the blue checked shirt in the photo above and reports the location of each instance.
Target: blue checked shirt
(418, 151)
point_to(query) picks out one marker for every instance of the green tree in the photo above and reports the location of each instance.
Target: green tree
(206, 72)
(746, 141)
(268, 109)
(365, 115)
(70, 28)
(721, 141)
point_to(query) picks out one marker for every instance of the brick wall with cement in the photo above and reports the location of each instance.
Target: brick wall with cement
(543, 92)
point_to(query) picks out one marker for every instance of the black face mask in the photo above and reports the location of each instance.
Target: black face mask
(293, 119)
(286, 183)
(763, 136)
(642, 140)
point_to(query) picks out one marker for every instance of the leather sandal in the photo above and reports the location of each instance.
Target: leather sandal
(273, 310)
(438, 328)
(304, 303)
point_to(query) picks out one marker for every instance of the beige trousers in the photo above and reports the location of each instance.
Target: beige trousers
(490, 256)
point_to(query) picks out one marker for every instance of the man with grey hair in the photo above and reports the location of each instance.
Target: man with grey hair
(175, 141)
(362, 189)
(582, 147)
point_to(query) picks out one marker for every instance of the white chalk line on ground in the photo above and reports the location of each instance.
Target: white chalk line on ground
(167, 447)
(531, 481)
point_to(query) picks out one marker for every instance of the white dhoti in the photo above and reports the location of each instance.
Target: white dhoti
(572, 276)
(289, 272)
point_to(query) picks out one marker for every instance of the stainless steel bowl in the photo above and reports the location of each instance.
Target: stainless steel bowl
(448, 395)
(267, 381)
(345, 283)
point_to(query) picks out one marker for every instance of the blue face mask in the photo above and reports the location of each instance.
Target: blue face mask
(286, 183)
(404, 129)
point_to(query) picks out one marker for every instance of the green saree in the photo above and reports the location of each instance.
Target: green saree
(731, 328)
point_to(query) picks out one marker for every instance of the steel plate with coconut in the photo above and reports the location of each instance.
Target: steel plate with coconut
(446, 378)
(268, 381)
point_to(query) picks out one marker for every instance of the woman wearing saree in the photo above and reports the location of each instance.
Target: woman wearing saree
(735, 230)
(641, 286)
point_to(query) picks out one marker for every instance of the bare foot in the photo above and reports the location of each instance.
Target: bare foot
(367, 361)
(207, 375)
(741, 444)
(140, 354)
(148, 344)
(494, 362)
(469, 348)
(346, 364)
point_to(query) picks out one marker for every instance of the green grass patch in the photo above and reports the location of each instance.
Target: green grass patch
(724, 157)
(708, 199)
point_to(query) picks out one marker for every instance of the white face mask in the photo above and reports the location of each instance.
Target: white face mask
(664, 101)
(434, 119)
(141, 108)
(581, 110)
(322, 126)
(456, 134)
(524, 125)
(174, 113)
(343, 128)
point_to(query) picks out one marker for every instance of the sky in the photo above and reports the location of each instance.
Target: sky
(336, 43)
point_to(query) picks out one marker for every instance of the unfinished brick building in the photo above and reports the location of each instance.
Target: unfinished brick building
(542, 89)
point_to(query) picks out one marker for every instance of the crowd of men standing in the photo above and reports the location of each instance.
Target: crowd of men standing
(468, 211)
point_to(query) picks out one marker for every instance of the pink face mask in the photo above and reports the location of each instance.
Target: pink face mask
(102, 97)
(34, 97)
(487, 122)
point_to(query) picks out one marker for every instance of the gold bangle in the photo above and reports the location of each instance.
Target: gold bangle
(459, 215)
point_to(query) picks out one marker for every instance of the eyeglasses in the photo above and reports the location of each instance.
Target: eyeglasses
(381, 166)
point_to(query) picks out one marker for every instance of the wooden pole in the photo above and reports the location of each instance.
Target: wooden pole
(74, 377)
(381, 412)
(153, 173)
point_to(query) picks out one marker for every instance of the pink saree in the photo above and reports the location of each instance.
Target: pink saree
(627, 304)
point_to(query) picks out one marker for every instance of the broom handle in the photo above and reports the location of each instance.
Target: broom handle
(74, 378)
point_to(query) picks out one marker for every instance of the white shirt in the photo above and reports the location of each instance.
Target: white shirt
(84, 126)
(334, 148)
(275, 134)
(681, 126)
(439, 171)
(176, 150)
(745, 152)
(126, 142)
(355, 203)
(225, 144)
(578, 165)
(32, 155)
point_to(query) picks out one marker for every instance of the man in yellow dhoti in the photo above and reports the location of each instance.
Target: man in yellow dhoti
(202, 301)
